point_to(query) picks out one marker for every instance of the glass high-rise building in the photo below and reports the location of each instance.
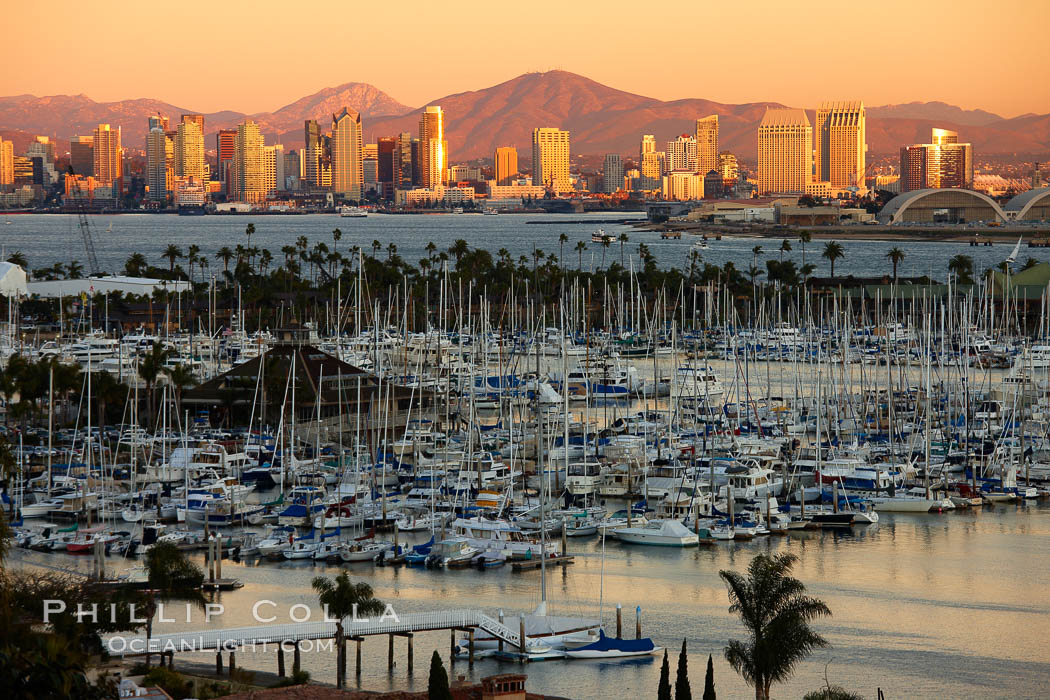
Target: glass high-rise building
(785, 151)
(108, 156)
(433, 147)
(550, 159)
(942, 163)
(707, 144)
(840, 144)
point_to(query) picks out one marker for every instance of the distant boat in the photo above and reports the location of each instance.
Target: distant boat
(600, 236)
(490, 212)
(184, 210)
(1013, 255)
(353, 212)
(701, 244)
(457, 210)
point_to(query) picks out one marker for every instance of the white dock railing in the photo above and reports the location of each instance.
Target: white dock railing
(233, 637)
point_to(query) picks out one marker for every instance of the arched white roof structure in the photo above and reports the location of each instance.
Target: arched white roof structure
(12, 280)
(965, 201)
(1019, 206)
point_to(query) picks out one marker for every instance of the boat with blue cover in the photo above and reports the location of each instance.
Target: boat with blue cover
(607, 647)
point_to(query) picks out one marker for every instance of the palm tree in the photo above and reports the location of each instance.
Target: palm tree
(18, 258)
(135, 265)
(337, 235)
(179, 377)
(776, 611)
(962, 266)
(580, 247)
(622, 239)
(170, 575)
(804, 237)
(376, 245)
(458, 249)
(193, 256)
(895, 256)
(341, 600)
(226, 255)
(562, 240)
(172, 253)
(605, 246)
(755, 252)
(74, 270)
(248, 231)
(150, 368)
(785, 247)
(833, 251)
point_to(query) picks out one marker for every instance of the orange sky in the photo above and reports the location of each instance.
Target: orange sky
(258, 56)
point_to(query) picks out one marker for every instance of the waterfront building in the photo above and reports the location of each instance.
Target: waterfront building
(108, 166)
(681, 186)
(681, 154)
(707, 144)
(612, 173)
(433, 148)
(785, 151)
(82, 155)
(273, 169)
(7, 162)
(158, 175)
(189, 148)
(506, 164)
(942, 163)
(840, 144)
(347, 155)
(550, 159)
(248, 173)
(224, 145)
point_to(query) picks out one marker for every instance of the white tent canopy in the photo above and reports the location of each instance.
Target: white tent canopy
(12, 280)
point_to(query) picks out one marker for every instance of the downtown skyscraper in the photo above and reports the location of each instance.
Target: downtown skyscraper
(707, 144)
(785, 151)
(942, 163)
(347, 155)
(550, 159)
(189, 148)
(248, 174)
(840, 144)
(108, 154)
(433, 148)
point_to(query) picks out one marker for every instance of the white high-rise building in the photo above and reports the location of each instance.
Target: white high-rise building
(785, 151)
(550, 159)
(273, 168)
(109, 165)
(681, 154)
(612, 173)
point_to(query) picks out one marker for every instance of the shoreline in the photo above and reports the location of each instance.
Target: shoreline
(977, 237)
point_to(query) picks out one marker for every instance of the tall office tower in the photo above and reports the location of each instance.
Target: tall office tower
(550, 159)
(292, 172)
(707, 144)
(158, 122)
(7, 162)
(402, 161)
(312, 149)
(681, 154)
(273, 168)
(943, 163)
(224, 145)
(347, 155)
(728, 168)
(386, 146)
(82, 155)
(42, 153)
(108, 158)
(157, 165)
(324, 165)
(433, 148)
(648, 146)
(189, 150)
(840, 146)
(417, 164)
(785, 151)
(612, 173)
(248, 173)
(506, 162)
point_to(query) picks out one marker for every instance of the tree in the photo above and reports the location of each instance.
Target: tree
(458, 249)
(804, 237)
(249, 231)
(663, 692)
(962, 266)
(180, 377)
(605, 246)
(150, 368)
(785, 247)
(895, 255)
(172, 253)
(342, 600)
(580, 247)
(226, 255)
(136, 265)
(75, 270)
(833, 251)
(562, 240)
(622, 239)
(437, 685)
(832, 692)
(18, 258)
(681, 682)
(171, 575)
(776, 612)
(709, 680)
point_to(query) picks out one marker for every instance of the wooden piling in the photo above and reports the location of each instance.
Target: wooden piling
(619, 621)
(218, 662)
(296, 660)
(410, 653)
(357, 668)
(501, 622)
(233, 664)
(218, 557)
(280, 660)
(638, 622)
(452, 645)
(521, 633)
(390, 653)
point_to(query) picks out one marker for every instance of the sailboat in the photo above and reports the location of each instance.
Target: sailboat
(1012, 258)
(613, 648)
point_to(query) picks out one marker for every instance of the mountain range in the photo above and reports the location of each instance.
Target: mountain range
(600, 118)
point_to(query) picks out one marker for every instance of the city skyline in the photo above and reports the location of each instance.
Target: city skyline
(277, 81)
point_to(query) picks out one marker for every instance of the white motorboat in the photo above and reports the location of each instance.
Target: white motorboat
(300, 550)
(363, 551)
(662, 533)
(352, 212)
